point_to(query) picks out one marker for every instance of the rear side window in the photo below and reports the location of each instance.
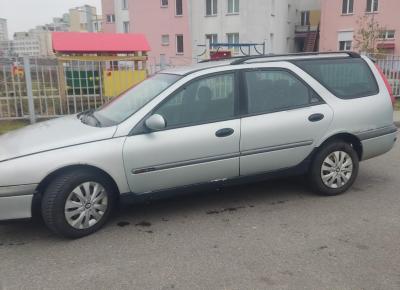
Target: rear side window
(345, 78)
(276, 90)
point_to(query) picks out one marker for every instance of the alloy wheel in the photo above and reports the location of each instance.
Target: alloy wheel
(86, 205)
(337, 169)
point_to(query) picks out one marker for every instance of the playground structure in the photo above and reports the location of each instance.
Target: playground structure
(95, 67)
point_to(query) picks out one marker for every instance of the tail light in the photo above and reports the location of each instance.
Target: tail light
(388, 87)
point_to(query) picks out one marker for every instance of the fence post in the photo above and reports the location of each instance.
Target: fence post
(28, 80)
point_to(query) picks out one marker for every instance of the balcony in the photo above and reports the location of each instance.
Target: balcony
(300, 29)
(306, 38)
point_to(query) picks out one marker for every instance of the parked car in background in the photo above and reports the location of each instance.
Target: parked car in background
(213, 123)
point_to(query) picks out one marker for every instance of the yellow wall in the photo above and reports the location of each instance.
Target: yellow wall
(116, 82)
(315, 17)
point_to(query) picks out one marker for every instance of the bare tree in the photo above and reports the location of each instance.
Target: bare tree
(368, 33)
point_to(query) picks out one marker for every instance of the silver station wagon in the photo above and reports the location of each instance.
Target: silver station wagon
(214, 123)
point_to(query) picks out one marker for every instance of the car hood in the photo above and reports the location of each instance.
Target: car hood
(50, 135)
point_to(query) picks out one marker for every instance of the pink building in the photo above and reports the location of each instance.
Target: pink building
(164, 22)
(339, 23)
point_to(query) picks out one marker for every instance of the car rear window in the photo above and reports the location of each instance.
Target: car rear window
(346, 78)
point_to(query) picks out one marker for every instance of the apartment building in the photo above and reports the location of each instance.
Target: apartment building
(179, 31)
(84, 19)
(38, 42)
(5, 45)
(3, 30)
(25, 43)
(272, 22)
(164, 22)
(340, 23)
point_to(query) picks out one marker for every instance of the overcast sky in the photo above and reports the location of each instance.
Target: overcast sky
(25, 14)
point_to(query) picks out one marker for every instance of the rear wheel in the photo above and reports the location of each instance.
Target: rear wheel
(78, 203)
(334, 168)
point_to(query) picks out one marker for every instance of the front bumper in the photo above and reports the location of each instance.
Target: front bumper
(16, 201)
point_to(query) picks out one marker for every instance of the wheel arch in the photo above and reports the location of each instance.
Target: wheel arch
(46, 181)
(352, 139)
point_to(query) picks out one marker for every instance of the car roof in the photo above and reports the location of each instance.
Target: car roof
(185, 70)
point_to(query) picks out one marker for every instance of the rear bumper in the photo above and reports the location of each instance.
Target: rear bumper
(16, 201)
(378, 145)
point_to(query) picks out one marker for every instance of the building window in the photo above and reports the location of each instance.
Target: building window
(211, 38)
(347, 7)
(211, 7)
(164, 3)
(179, 8)
(165, 39)
(345, 45)
(233, 6)
(179, 44)
(126, 26)
(387, 34)
(110, 18)
(233, 38)
(305, 18)
(124, 4)
(372, 6)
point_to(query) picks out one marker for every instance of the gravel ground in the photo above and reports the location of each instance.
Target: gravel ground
(271, 235)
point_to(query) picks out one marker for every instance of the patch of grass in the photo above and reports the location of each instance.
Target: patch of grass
(6, 126)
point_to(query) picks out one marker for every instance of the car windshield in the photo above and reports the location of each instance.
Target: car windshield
(134, 99)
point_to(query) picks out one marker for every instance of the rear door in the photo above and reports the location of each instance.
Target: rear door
(285, 118)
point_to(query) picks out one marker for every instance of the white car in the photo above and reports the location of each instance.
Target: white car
(212, 123)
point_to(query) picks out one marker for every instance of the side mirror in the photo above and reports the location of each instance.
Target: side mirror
(155, 122)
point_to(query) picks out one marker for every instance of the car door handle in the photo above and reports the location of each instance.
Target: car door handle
(224, 132)
(316, 117)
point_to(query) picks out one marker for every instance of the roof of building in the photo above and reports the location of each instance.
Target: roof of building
(87, 42)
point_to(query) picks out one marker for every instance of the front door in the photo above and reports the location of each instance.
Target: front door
(285, 119)
(199, 144)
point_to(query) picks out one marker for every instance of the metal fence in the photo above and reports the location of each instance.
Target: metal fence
(390, 64)
(46, 88)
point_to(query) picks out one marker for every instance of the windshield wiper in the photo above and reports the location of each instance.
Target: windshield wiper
(89, 113)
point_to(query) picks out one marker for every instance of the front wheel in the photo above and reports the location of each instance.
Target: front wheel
(77, 203)
(334, 168)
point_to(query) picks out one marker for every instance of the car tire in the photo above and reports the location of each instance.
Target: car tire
(334, 168)
(85, 193)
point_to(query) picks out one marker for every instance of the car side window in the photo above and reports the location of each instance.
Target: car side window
(201, 101)
(276, 90)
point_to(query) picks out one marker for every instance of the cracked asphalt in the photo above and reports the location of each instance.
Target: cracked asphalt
(270, 235)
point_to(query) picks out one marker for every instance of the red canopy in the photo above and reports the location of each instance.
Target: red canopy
(85, 42)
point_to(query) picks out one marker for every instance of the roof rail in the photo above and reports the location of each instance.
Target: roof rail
(246, 58)
(220, 59)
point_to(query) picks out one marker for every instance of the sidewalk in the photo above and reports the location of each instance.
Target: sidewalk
(396, 118)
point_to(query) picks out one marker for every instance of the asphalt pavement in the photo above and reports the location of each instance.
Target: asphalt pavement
(270, 235)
